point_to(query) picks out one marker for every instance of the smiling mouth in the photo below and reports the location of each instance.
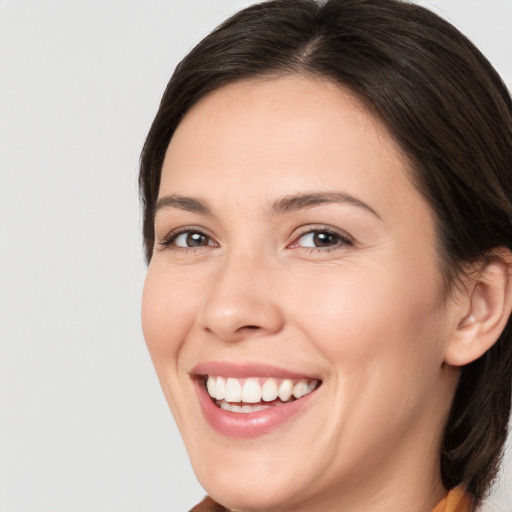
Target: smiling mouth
(256, 393)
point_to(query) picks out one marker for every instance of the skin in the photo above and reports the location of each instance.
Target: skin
(365, 316)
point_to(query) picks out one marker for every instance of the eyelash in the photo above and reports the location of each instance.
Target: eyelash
(342, 239)
(168, 241)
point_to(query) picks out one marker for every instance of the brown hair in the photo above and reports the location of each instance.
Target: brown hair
(450, 113)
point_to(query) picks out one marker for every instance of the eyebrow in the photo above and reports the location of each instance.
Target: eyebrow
(188, 204)
(282, 205)
(301, 201)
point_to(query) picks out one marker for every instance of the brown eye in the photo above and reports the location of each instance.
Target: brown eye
(190, 239)
(319, 239)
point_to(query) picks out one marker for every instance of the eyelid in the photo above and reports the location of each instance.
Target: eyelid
(345, 238)
(319, 228)
(166, 241)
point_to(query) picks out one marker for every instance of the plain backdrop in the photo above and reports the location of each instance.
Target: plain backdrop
(83, 424)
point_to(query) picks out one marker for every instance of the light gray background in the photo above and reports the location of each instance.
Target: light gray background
(83, 424)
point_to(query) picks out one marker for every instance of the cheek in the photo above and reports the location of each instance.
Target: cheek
(168, 311)
(370, 317)
(376, 334)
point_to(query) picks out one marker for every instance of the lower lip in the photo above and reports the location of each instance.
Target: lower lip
(250, 424)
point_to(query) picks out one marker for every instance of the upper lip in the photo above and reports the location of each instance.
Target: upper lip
(247, 370)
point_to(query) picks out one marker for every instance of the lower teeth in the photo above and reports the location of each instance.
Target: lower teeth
(246, 408)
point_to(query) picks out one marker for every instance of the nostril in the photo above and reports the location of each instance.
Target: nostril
(249, 328)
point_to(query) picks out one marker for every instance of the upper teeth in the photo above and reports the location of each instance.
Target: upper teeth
(255, 390)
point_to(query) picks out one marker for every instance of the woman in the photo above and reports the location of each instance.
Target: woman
(327, 220)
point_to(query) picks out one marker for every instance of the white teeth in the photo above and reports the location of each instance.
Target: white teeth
(220, 388)
(233, 391)
(244, 409)
(285, 390)
(251, 392)
(269, 390)
(300, 389)
(211, 386)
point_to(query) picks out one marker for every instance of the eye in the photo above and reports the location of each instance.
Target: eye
(189, 239)
(322, 239)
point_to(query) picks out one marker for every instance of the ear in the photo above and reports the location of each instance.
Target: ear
(484, 310)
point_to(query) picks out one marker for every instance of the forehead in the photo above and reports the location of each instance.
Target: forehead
(278, 136)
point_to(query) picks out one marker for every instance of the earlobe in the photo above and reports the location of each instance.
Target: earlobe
(484, 313)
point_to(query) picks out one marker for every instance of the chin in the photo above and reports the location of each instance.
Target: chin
(251, 493)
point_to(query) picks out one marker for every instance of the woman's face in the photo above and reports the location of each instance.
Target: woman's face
(293, 254)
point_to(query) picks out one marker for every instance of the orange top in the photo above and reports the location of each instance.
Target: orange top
(455, 501)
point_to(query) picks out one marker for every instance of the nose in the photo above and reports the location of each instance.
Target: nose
(241, 301)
